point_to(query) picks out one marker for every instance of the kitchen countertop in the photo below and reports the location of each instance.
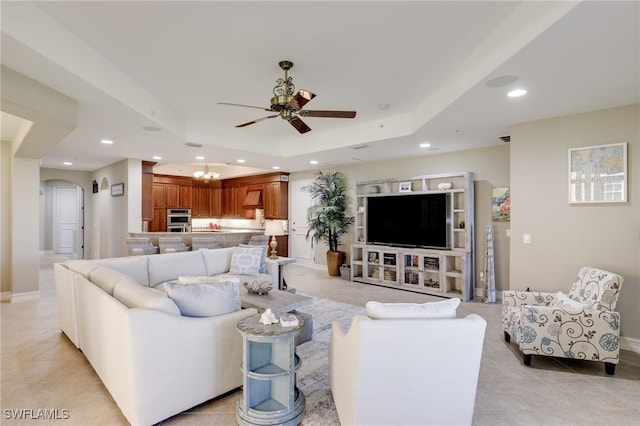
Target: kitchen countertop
(226, 237)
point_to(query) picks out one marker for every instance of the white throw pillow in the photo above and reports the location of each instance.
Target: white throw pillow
(134, 295)
(188, 279)
(246, 260)
(217, 261)
(562, 301)
(443, 309)
(263, 259)
(206, 299)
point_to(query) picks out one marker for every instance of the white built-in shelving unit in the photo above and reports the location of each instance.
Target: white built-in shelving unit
(441, 272)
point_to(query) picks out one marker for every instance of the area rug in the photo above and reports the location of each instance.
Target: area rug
(313, 375)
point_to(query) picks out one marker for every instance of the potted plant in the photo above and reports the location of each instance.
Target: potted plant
(327, 219)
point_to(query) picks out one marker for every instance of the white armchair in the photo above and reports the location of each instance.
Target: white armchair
(406, 371)
(580, 325)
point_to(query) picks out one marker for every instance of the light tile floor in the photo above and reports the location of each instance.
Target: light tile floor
(41, 369)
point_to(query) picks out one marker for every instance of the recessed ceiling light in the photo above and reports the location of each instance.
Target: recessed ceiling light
(199, 157)
(313, 162)
(276, 167)
(240, 160)
(67, 163)
(157, 157)
(383, 106)
(425, 145)
(516, 92)
(106, 141)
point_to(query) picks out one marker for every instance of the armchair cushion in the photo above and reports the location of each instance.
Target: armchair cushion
(597, 287)
(561, 300)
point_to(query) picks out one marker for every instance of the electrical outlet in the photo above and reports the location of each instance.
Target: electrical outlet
(526, 238)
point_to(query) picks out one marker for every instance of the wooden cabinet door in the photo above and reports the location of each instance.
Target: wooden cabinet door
(216, 202)
(275, 200)
(185, 201)
(201, 202)
(147, 196)
(157, 195)
(159, 221)
(241, 194)
(229, 203)
(172, 196)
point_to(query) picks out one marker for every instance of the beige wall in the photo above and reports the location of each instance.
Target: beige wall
(5, 220)
(566, 236)
(491, 169)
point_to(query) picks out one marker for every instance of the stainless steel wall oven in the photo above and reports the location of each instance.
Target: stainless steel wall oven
(178, 220)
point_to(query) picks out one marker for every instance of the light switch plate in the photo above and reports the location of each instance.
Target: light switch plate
(526, 238)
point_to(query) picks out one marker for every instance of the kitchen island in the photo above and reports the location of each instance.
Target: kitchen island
(226, 237)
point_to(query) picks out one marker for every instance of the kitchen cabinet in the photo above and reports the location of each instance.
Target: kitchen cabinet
(216, 201)
(147, 190)
(276, 199)
(168, 192)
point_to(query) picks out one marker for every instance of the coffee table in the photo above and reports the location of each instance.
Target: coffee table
(281, 301)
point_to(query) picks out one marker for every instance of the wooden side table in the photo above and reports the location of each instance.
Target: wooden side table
(281, 261)
(269, 365)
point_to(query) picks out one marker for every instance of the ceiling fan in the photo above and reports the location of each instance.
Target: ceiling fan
(288, 105)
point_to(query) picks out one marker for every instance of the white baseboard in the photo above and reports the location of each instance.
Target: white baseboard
(630, 344)
(24, 297)
(5, 296)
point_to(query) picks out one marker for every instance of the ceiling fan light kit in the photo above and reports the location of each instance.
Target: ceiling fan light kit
(287, 103)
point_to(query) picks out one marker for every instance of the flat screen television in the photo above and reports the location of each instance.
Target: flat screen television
(412, 220)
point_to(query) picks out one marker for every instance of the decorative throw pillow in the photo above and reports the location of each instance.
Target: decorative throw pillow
(206, 299)
(263, 260)
(246, 260)
(443, 309)
(134, 295)
(562, 301)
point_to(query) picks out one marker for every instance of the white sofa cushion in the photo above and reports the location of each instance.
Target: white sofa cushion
(443, 309)
(217, 261)
(107, 278)
(169, 266)
(263, 259)
(135, 266)
(561, 300)
(82, 267)
(204, 299)
(246, 260)
(133, 295)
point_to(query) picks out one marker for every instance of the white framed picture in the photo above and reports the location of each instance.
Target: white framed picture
(405, 187)
(598, 174)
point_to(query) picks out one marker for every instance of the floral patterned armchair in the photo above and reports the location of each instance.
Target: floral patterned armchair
(580, 325)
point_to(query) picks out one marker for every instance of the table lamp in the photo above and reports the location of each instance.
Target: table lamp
(273, 228)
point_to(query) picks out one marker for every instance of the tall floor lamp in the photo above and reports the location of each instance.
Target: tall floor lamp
(273, 228)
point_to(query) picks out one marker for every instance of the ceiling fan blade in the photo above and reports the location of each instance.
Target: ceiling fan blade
(301, 98)
(257, 121)
(245, 106)
(299, 124)
(326, 113)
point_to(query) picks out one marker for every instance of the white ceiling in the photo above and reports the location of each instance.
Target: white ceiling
(167, 63)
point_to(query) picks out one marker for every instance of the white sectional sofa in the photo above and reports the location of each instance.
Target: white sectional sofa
(155, 361)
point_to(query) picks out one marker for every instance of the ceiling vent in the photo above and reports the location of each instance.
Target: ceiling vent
(505, 139)
(360, 146)
(194, 145)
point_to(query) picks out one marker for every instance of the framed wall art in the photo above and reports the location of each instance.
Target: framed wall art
(501, 205)
(598, 174)
(405, 187)
(117, 189)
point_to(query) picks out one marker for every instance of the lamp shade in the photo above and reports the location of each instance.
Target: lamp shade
(273, 228)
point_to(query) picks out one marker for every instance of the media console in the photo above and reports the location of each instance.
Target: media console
(446, 269)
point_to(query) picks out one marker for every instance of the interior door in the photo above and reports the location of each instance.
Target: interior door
(300, 201)
(65, 219)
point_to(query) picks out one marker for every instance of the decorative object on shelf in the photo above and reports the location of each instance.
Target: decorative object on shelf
(273, 229)
(443, 186)
(259, 288)
(117, 189)
(205, 175)
(598, 174)
(375, 189)
(327, 219)
(268, 317)
(501, 205)
(461, 224)
(404, 187)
